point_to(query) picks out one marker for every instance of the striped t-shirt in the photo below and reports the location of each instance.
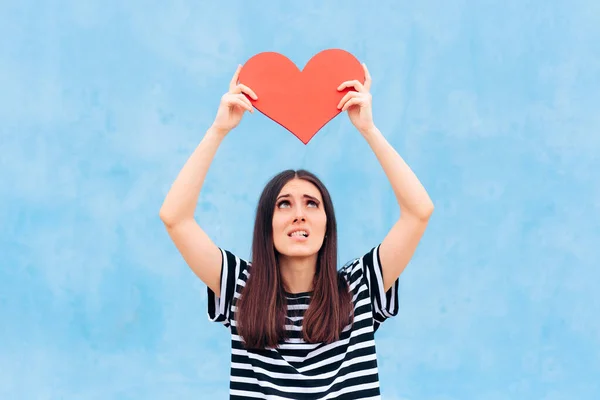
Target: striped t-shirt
(346, 369)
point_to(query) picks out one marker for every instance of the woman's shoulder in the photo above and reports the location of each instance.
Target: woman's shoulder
(234, 265)
(355, 263)
(354, 269)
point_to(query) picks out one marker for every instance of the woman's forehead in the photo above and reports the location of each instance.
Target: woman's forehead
(299, 187)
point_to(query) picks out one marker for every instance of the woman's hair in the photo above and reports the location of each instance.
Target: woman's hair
(261, 309)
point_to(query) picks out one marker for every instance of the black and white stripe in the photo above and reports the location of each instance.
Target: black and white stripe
(346, 369)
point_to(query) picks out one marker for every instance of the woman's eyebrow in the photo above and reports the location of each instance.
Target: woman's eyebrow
(305, 195)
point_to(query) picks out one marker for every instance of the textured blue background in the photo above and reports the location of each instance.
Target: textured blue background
(494, 104)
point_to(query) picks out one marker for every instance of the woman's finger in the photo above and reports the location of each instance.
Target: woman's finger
(353, 83)
(234, 79)
(367, 78)
(347, 97)
(352, 102)
(233, 100)
(244, 99)
(241, 88)
(243, 105)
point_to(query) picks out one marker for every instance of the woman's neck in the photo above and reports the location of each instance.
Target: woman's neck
(298, 273)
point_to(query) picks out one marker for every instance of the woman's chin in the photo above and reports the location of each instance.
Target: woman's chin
(298, 250)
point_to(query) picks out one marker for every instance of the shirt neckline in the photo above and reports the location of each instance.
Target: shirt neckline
(301, 294)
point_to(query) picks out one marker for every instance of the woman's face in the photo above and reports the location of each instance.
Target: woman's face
(299, 208)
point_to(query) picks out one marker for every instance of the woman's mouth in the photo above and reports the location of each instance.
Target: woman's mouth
(299, 235)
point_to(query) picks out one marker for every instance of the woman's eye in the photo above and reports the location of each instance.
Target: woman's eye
(310, 203)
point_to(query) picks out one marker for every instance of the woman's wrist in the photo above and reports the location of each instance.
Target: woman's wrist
(217, 131)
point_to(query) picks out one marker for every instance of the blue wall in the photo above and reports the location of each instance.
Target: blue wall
(494, 104)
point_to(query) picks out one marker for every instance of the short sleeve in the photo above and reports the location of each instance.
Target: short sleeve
(234, 272)
(367, 270)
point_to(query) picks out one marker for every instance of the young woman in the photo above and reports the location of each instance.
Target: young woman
(300, 329)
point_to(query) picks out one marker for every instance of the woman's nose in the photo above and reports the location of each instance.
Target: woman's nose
(299, 214)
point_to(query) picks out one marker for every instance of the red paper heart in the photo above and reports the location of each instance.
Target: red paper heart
(300, 101)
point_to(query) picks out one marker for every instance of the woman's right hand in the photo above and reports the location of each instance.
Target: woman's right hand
(233, 105)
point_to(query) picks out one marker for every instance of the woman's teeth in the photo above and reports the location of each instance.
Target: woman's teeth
(299, 233)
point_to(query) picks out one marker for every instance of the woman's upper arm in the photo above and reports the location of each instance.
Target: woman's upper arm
(199, 252)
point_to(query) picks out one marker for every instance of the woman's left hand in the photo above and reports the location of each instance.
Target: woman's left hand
(358, 103)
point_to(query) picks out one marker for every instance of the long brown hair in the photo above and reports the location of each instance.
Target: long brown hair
(262, 306)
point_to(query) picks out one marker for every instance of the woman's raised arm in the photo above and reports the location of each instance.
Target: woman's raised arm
(177, 211)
